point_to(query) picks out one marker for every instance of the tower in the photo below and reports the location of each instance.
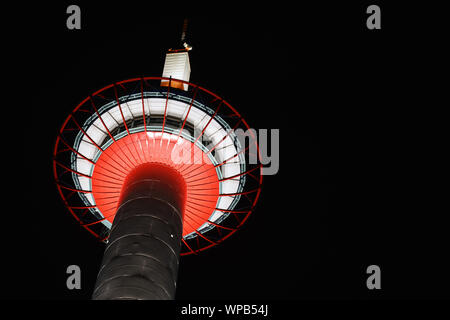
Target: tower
(156, 167)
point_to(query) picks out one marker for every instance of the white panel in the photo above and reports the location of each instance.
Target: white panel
(147, 103)
(135, 107)
(107, 120)
(203, 122)
(177, 66)
(126, 111)
(230, 169)
(90, 198)
(176, 109)
(87, 149)
(84, 166)
(216, 215)
(115, 114)
(215, 132)
(157, 106)
(95, 134)
(84, 183)
(196, 116)
(224, 202)
(226, 150)
(206, 224)
(229, 186)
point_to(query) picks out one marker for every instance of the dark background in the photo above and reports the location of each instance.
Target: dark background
(359, 119)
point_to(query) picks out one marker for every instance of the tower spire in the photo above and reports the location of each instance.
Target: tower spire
(183, 35)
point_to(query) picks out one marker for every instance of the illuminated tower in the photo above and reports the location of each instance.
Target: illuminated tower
(155, 168)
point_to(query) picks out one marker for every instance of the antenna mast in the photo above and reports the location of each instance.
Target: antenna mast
(183, 35)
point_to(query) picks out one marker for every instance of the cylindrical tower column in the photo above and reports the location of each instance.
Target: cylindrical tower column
(142, 255)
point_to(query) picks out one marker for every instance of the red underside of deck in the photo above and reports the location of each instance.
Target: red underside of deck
(126, 154)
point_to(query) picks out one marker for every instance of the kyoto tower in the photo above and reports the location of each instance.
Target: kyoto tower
(156, 168)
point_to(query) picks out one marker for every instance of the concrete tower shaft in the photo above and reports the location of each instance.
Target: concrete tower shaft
(142, 255)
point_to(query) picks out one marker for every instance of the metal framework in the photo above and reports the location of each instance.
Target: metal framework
(75, 137)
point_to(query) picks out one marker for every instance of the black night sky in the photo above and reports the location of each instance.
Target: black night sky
(349, 193)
